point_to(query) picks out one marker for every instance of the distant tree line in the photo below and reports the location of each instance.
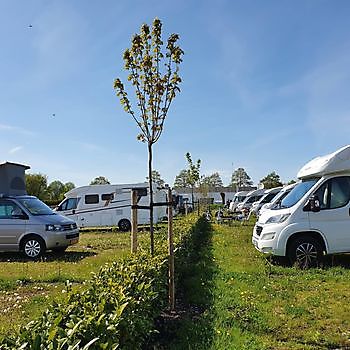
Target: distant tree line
(52, 193)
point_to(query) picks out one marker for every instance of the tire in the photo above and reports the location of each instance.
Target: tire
(305, 252)
(124, 225)
(59, 250)
(33, 247)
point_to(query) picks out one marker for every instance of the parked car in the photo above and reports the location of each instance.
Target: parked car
(29, 225)
(313, 219)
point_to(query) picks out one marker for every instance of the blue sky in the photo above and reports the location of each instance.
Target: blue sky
(265, 86)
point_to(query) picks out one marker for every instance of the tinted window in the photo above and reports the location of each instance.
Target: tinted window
(9, 210)
(91, 199)
(334, 193)
(107, 196)
(72, 203)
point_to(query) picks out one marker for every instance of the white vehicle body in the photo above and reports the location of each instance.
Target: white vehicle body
(268, 196)
(252, 196)
(314, 218)
(110, 205)
(238, 197)
(277, 199)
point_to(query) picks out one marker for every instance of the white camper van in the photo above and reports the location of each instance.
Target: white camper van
(276, 201)
(110, 205)
(252, 196)
(238, 197)
(314, 218)
(268, 196)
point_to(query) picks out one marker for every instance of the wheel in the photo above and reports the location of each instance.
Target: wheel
(305, 252)
(59, 250)
(33, 247)
(124, 225)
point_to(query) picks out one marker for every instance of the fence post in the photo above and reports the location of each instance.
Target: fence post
(198, 207)
(171, 253)
(186, 208)
(133, 221)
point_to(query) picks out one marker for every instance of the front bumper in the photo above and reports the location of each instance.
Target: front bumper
(62, 239)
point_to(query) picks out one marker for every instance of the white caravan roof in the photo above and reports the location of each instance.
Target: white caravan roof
(99, 189)
(335, 162)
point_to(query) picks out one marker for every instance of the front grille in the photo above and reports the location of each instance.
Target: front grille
(68, 227)
(73, 235)
(258, 230)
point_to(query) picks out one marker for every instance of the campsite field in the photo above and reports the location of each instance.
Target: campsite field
(27, 287)
(244, 302)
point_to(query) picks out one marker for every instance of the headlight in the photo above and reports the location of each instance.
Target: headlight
(53, 228)
(277, 219)
(268, 236)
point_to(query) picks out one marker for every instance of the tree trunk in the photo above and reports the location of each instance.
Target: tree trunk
(151, 229)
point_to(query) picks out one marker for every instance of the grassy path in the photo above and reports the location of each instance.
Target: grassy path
(240, 301)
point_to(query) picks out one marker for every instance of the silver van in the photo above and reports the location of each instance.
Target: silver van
(30, 226)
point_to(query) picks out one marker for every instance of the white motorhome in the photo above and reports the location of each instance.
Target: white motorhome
(268, 196)
(314, 218)
(238, 197)
(252, 196)
(276, 201)
(110, 205)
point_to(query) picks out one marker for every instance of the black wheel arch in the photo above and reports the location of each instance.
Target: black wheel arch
(313, 234)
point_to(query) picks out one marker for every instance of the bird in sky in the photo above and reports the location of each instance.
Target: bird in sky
(30, 26)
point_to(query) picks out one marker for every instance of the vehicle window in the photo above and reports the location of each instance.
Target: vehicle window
(91, 199)
(334, 193)
(9, 210)
(36, 206)
(72, 203)
(297, 193)
(63, 206)
(107, 196)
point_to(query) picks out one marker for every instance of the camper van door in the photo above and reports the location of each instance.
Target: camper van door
(333, 219)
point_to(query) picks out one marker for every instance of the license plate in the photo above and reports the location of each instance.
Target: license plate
(74, 240)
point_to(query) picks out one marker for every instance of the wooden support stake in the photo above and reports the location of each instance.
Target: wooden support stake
(186, 208)
(171, 253)
(133, 221)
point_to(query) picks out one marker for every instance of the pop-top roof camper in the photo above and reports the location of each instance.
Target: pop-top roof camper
(12, 180)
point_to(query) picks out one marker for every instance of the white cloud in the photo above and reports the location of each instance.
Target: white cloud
(15, 149)
(15, 129)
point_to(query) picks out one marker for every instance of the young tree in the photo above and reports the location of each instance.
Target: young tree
(271, 180)
(36, 185)
(157, 179)
(154, 76)
(213, 180)
(240, 178)
(181, 180)
(193, 174)
(100, 180)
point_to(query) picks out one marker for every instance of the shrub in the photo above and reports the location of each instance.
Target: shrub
(117, 307)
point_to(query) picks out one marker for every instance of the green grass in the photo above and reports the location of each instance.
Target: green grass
(27, 287)
(247, 303)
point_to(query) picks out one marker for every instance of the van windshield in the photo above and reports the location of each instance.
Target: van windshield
(297, 193)
(36, 206)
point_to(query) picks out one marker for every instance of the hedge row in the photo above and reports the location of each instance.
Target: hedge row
(117, 307)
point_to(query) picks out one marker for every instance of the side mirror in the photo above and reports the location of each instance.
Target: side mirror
(313, 204)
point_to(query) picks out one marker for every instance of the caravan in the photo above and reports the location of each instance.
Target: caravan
(110, 205)
(313, 219)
